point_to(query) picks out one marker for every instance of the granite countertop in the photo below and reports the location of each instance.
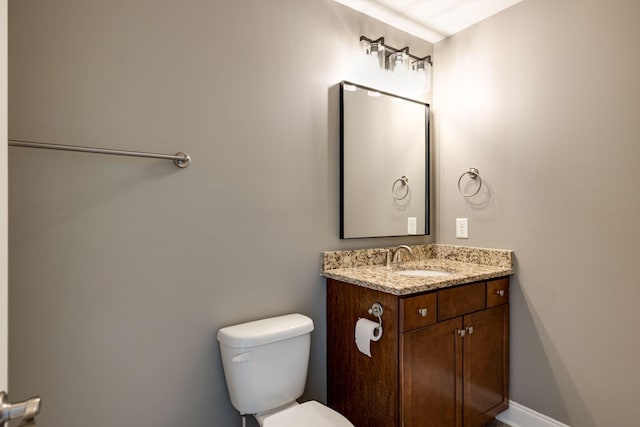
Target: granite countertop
(366, 267)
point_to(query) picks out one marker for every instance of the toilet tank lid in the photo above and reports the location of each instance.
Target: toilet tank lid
(265, 331)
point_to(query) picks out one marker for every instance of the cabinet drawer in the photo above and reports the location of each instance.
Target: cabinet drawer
(497, 292)
(419, 311)
(461, 300)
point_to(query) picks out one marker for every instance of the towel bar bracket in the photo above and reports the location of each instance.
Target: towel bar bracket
(184, 162)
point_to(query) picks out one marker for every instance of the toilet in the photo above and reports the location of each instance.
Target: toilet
(265, 364)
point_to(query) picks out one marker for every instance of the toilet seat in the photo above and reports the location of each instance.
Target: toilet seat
(308, 414)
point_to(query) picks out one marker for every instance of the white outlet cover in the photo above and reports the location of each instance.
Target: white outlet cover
(412, 225)
(462, 228)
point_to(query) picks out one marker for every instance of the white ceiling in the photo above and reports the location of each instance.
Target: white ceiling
(431, 20)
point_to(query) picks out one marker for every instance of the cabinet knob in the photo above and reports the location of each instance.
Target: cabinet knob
(469, 330)
(500, 293)
(461, 332)
(423, 312)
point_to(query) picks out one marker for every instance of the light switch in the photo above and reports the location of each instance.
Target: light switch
(412, 225)
(462, 228)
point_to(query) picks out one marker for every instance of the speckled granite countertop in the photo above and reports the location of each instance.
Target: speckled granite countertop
(366, 267)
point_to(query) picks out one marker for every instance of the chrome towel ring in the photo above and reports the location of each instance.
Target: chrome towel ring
(404, 181)
(474, 174)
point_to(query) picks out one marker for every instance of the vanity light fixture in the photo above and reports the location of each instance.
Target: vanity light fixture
(424, 67)
(420, 65)
(392, 58)
(399, 59)
(374, 47)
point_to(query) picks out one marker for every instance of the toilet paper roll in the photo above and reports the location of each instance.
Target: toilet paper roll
(367, 331)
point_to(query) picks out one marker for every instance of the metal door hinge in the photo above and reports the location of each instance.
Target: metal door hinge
(26, 410)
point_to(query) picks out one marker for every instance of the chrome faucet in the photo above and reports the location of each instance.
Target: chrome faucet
(393, 254)
(26, 410)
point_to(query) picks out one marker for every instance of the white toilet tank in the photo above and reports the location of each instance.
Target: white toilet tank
(265, 361)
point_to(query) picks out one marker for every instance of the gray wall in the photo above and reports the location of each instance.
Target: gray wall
(544, 100)
(123, 269)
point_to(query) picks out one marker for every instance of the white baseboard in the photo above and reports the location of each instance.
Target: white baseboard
(521, 416)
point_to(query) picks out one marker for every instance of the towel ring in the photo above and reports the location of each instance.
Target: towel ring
(405, 183)
(473, 174)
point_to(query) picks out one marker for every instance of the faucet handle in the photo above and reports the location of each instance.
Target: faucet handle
(388, 254)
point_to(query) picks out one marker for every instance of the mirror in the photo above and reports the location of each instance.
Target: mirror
(384, 165)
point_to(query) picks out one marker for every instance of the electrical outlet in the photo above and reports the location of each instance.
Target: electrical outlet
(412, 225)
(462, 228)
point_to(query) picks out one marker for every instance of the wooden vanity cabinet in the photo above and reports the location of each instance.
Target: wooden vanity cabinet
(443, 359)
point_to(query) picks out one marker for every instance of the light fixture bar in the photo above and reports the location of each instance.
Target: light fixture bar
(392, 49)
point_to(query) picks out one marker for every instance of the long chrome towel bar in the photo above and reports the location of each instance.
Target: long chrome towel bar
(182, 160)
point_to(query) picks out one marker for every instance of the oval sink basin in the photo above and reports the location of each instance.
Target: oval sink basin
(424, 273)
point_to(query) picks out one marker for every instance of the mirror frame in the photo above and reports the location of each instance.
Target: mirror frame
(427, 165)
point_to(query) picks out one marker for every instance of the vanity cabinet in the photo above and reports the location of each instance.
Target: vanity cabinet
(443, 359)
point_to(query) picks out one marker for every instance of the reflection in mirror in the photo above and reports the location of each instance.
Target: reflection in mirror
(384, 168)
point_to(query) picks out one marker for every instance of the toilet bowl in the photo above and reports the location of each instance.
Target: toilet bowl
(308, 414)
(265, 366)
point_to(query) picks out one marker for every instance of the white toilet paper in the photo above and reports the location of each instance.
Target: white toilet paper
(367, 331)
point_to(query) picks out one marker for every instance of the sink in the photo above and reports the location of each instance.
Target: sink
(424, 273)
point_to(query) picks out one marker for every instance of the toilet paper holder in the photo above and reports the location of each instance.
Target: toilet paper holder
(377, 310)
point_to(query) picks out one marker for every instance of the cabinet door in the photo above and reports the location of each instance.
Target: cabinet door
(431, 375)
(486, 365)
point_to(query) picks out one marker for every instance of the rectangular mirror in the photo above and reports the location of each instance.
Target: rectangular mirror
(384, 167)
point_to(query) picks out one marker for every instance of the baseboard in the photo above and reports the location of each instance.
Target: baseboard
(521, 416)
